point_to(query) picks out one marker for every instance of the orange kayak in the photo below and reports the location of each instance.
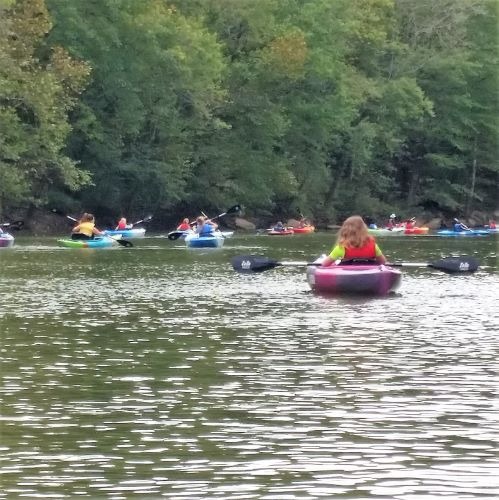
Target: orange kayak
(304, 230)
(416, 230)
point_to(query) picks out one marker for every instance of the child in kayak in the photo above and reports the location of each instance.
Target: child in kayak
(279, 227)
(184, 225)
(85, 230)
(122, 224)
(205, 227)
(354, 242)
(391, 222)
(410, 223)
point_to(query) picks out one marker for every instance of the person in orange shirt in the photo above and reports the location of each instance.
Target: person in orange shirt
(184, 225)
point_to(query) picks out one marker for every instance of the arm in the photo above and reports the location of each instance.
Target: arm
(380, 258)
(337, 253)
(327, 261)
(97, 232)
(214, 225)
(75, 229)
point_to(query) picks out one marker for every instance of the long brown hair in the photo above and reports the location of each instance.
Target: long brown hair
(353, 233)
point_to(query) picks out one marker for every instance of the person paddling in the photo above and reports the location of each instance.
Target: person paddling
(184, 225)
(205, 227)
(391, 222)
(85, 230)
(279, 227)
(354, 242)
(459, 227)
(122, 225)
(410, 223)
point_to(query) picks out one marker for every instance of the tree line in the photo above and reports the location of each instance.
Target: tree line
(320, 107)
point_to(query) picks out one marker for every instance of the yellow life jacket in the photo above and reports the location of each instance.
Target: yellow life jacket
(86, 228)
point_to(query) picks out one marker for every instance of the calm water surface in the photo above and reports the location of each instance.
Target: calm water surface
(159, 372)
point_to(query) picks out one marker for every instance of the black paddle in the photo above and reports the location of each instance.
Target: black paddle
(145, 219)
(175, 235)
(258, 264)
(16, 225)
(123, 243)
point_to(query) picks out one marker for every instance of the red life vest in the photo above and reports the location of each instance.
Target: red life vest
(183, 227)
(368, 251)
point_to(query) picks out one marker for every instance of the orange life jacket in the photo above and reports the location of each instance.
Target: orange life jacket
(368, 251)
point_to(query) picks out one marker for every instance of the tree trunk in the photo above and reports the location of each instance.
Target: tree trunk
(471, 193)
(413, 185)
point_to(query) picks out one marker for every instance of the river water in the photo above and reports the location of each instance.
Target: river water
(159, 372)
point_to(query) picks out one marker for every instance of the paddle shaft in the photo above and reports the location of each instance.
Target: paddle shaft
(255, 263)
(145, 219)
(18, 224)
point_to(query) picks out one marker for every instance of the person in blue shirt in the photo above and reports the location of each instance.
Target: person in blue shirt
(459, 227)
(279, 227)
(205, 227)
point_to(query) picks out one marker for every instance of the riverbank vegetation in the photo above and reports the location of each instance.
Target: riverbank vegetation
(320, 107)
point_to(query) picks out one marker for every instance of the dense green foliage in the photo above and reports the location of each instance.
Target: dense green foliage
(286, 106)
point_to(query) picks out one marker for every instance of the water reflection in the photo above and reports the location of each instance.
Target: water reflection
(160, 372)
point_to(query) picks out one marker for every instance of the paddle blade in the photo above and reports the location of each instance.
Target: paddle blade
(234, 209)
(141, 221)
(175, 235)
(451, 265)
(17, 225)
(124, 243)
(59, 212)
(253, 263)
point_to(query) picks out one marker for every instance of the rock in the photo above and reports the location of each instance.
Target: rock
(244, 224)
(435, 223)
(478, 218)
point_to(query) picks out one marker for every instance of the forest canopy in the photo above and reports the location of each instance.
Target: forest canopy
(323, 107)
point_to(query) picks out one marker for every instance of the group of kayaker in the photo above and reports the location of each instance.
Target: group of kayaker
(392, 223)
(202, 225)
(459, 227)
(86, 230)
(353, 241)
(280, 227)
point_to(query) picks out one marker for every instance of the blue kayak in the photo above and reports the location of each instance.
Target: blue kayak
(471, 232)
(99, 242)
(214, 240)
(126, 233)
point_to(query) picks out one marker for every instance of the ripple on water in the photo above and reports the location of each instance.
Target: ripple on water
(181, 379)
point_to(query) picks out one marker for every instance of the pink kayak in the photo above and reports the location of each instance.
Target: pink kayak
(6, 240)
(367, 279)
